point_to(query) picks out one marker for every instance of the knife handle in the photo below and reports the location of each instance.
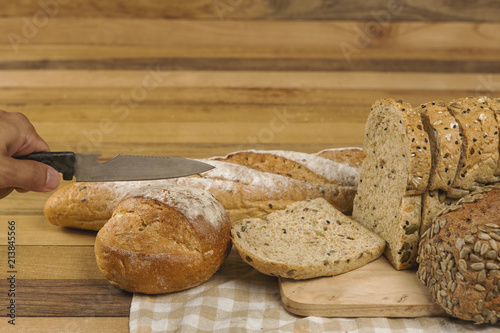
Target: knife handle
(64, 162)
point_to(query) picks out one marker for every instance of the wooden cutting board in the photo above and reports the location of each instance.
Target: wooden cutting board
(374, 290)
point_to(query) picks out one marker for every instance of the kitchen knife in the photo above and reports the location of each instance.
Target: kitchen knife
(86, 167)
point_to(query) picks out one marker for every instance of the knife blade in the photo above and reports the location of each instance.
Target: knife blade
(86, 167)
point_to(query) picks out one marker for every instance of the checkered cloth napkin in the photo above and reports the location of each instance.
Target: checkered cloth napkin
(240, 299)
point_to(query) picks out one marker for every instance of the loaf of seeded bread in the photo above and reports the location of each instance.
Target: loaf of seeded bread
(243, 192)
(444, 134)
(459, 258)
(393, 177)
(163, 239)
(308, 239)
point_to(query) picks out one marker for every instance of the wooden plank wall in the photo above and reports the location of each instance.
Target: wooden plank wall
(206, 77)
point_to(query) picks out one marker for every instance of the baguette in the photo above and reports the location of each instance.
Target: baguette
(242, 191)
(301, 166)
(308, 239)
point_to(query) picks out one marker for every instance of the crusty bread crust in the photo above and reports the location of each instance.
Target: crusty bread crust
(458, 257)
(163, 239)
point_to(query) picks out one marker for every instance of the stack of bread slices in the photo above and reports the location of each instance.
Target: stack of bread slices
(418, 161)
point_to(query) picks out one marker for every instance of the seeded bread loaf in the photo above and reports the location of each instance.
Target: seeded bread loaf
(308, 239)
(163, 239)
(243, 192)
(459, 258)
(352, 156)
(443, 132)
(397, 163)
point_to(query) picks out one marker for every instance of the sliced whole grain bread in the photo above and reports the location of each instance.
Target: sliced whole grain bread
(306, 240)
(474, 167)
(494, 105)
(392, 179)
(490, 138)
(443, 132)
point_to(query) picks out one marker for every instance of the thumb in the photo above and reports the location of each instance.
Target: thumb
(32, 176)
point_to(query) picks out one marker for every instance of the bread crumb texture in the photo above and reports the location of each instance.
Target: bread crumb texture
(308, 239)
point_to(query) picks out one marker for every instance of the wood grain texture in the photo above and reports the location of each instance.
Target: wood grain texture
(67, 324)
(68, 298)
(374, 290)
(426, 10)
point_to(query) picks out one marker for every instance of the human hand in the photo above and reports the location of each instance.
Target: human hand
(18, 137)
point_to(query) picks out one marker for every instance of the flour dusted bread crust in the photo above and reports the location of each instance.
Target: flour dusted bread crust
(163, 239)
(459, 258)
(308, 239)
(301, 166)
(243, 192)
(392, 178)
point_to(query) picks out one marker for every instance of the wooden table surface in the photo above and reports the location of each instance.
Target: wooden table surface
(203, 78)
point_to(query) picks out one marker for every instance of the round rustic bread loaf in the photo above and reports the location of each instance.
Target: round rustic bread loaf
(163, 239)
(459, 257)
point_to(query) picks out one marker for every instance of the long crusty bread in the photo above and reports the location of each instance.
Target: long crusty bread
(297, 165)
(243, 192)
(392, 178)
(308, 239)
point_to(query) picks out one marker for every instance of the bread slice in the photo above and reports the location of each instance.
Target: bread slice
(478, 159)
(352, 156)
(494, 105)
(443, 132)
(490, 139)
(309, 239)
(397, 164)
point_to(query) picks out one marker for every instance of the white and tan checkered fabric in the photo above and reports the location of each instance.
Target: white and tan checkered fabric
(240, 299)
